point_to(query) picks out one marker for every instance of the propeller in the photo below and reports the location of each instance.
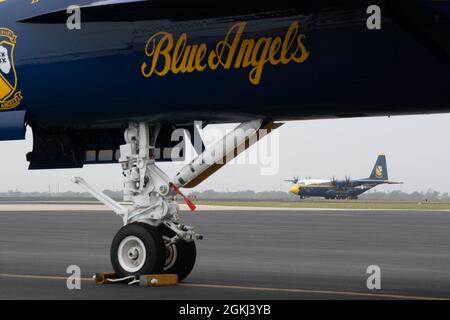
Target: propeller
(294, 180)
(341, 184)
(348, 181)
(333, 181)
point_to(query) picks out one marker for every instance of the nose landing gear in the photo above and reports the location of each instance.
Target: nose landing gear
(153, 240)
(152, 230)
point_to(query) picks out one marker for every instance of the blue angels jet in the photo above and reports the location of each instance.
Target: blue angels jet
(104, 81)
(342, 189)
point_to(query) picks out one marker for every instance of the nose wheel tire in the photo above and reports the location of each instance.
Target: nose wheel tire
(180, 257)
(138, 249)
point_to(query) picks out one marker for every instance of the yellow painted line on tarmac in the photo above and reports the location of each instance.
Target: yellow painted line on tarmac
(37, 277)
(329, 292)
(249, 288)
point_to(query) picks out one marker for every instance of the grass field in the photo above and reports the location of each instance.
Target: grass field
(313, 204)
(342, 204)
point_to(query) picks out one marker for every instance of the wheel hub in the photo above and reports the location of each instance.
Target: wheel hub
(132, 254)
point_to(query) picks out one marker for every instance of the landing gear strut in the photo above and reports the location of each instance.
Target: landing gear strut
(153, 240)
(152, 232)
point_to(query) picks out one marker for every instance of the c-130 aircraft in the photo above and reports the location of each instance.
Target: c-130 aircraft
(115, 88)
(342, 189)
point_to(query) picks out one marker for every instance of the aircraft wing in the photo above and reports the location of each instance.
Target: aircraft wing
(393, 182)
(375, 181)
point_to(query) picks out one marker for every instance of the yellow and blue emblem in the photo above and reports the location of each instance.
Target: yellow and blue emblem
(9, 96)
(379, 172)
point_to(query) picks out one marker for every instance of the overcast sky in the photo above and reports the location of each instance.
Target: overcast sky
(417, 150)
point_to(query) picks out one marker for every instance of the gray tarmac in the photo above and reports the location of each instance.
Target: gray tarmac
(245, 255)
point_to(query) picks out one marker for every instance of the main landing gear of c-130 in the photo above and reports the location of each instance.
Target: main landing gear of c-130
(152, 240)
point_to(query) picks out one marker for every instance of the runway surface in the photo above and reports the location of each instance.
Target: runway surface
(266, 254)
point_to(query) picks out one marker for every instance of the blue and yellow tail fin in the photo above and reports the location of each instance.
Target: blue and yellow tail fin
(379, 171)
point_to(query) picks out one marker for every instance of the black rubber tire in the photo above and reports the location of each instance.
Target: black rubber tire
(154, 245)
(186, 255)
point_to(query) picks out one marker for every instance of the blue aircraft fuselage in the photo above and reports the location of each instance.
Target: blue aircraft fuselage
(281, 65)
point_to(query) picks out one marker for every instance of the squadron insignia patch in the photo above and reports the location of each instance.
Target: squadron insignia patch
(9, 96)
(379, 172)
